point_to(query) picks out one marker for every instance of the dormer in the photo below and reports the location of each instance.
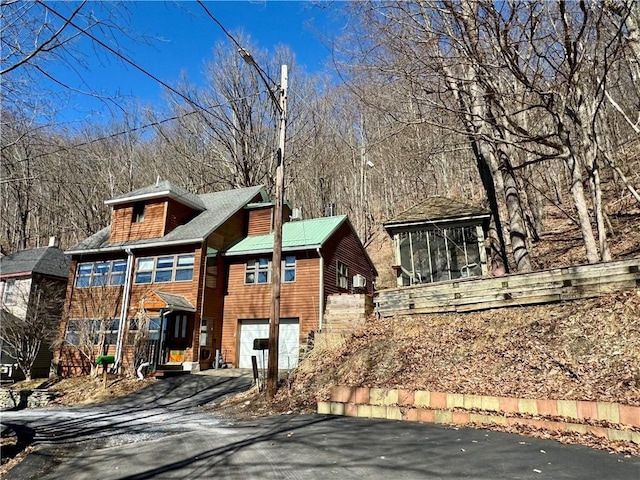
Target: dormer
(260, 217)
(151, 212)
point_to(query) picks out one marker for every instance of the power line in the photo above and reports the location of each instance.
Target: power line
(235, 42)
(125, 59)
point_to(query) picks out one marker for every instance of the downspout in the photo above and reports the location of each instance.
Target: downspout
(321, 291)
(126, 297)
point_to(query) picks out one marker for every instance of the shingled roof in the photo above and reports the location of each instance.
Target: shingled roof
(218, 207)
(48, 261)
(437, 209)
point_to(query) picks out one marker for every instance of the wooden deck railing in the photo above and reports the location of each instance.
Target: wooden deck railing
(464, 295)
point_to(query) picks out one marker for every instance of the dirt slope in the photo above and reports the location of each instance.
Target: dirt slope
(583, 350)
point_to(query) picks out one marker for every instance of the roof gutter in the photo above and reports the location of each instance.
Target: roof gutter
(120, 248)
(423, 222)
(269, 250)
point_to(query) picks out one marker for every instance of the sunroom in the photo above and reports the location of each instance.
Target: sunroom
(437, 240)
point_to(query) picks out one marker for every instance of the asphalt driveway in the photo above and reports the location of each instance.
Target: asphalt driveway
(161, 433)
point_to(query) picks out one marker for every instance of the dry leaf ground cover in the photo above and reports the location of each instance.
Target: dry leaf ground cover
(582, 350)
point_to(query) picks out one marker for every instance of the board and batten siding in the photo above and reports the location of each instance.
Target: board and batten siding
(298, 299)
(344, 246)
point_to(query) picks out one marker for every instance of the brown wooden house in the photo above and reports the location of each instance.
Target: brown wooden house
(157, 265)
(163, 281)
(320, 257)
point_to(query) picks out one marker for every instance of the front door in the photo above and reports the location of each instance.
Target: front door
(178, 337)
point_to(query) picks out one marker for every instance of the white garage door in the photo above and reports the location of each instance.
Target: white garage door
(288, 342)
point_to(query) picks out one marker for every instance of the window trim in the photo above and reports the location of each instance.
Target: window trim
(9, 293)
(340, 275)
(288, 264)
(256, 269)
(137, 212)
(92, 276)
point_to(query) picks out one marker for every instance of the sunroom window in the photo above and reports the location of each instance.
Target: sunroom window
(439, 254)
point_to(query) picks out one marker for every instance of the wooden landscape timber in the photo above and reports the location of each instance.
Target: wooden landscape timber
(570, 283)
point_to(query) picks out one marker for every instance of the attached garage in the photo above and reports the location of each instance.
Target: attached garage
(289, 342)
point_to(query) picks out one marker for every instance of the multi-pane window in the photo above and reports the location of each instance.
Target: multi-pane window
(342, 275)
(167, 268)
(289, 268)
(439, 254)
(83, 331)
(100, 274)
(257, 270)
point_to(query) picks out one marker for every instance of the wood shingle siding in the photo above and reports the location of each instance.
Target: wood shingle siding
(260, 220)
(177, 214)
(123, 229)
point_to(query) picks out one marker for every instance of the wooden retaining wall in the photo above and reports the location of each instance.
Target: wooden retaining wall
(465, 295)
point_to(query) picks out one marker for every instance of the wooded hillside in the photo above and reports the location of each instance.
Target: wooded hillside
(528, 108)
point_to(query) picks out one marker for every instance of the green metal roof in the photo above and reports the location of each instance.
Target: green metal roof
(298, 235)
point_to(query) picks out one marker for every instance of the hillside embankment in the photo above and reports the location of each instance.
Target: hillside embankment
(581, 350)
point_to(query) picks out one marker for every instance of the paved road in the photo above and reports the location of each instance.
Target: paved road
(160, 433)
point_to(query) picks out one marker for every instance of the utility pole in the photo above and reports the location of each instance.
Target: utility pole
(274, 312)
(276, 261)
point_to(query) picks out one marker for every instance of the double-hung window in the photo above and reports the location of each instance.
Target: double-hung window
(10, 292)
(342, 275)
(289, 269)
(83, 278)
(118, 272)
(100, 274)
(164, 269)
(257, 271)
(184, 268)
(144, 272)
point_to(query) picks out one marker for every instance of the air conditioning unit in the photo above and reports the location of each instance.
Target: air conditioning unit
(359, 281)
(296, 214)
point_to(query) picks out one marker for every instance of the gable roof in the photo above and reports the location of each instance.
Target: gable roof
(437, 209)
(49, 261)
(175, 302)
(219, 206)
(299, 235)
(162, 189)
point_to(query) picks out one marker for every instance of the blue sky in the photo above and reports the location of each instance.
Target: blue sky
(185, 38)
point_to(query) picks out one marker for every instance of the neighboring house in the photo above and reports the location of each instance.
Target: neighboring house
(320, 257)
(162, 263)
(24, 276)
(438, 239)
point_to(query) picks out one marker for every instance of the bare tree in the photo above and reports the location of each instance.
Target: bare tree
(26, 332)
